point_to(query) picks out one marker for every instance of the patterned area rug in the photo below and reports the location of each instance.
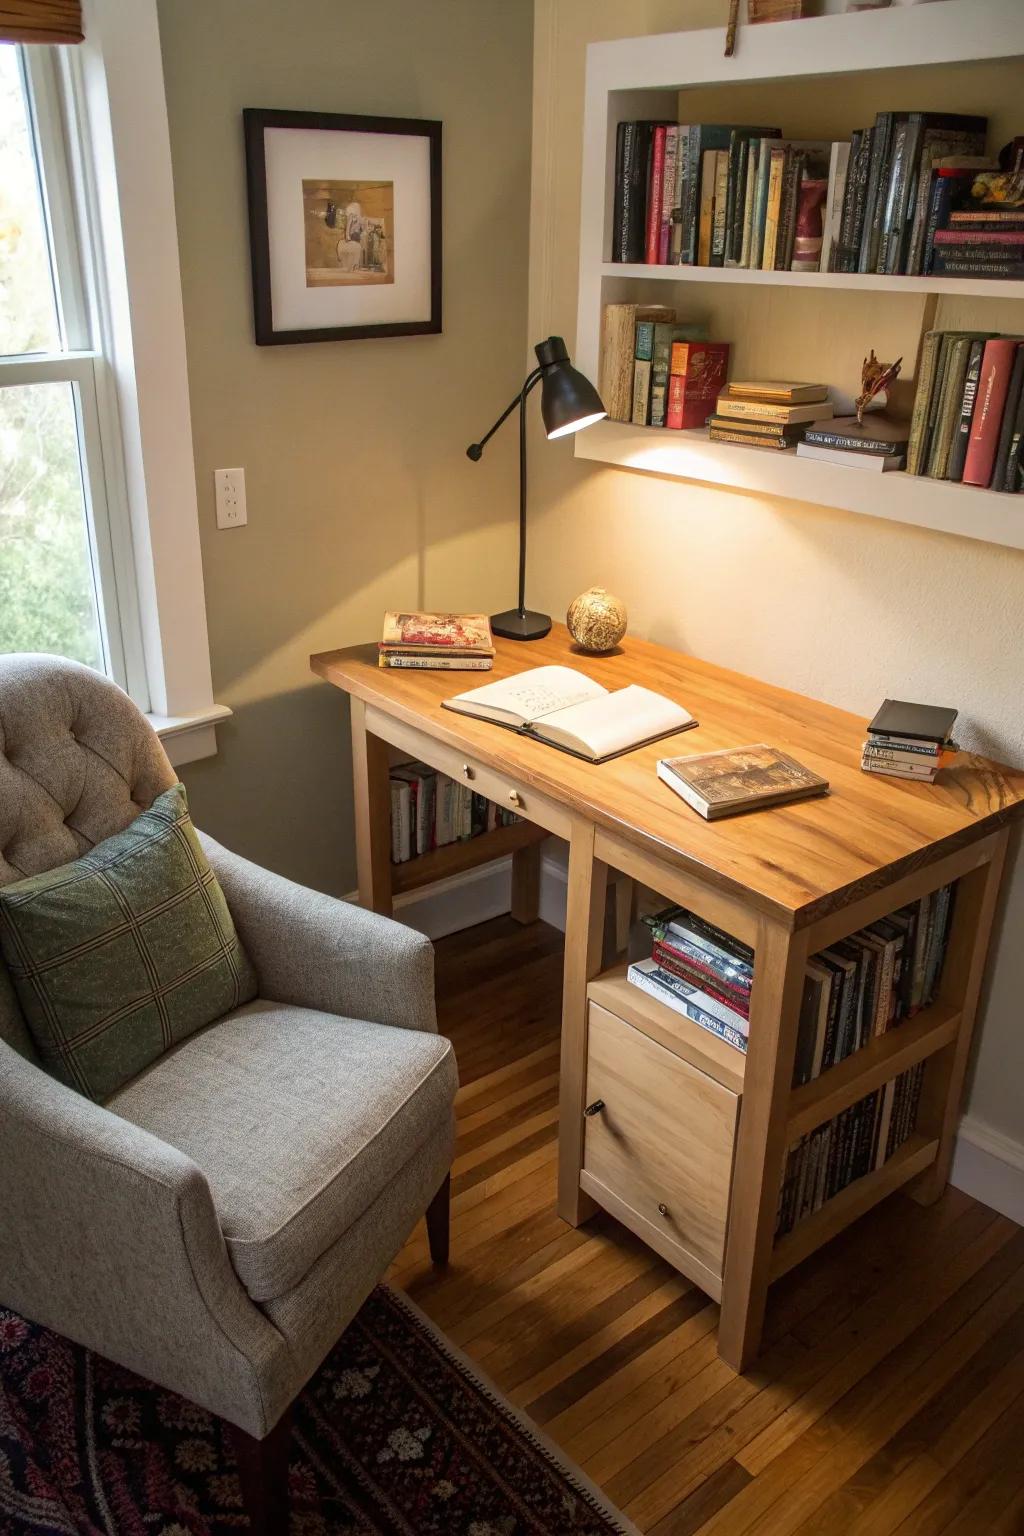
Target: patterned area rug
(396, 1435)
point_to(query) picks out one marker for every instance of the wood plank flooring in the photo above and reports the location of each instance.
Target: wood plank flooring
(889, 1400)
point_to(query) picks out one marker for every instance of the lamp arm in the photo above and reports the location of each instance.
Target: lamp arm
(475, 450)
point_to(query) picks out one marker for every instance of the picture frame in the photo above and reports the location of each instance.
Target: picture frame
(344, 225)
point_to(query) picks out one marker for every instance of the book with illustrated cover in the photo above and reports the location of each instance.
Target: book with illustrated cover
(698, 370)
(685, 999)
(566, 709)
(717, 784)
(463, 634)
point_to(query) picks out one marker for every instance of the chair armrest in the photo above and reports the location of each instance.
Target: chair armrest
(318, 952)
(110, 1237)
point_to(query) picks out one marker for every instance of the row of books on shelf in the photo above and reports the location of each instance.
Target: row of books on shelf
(852, 1144)
(865, 985)
(911, 194)
(858, 989)
(430, 810)
(968, 420)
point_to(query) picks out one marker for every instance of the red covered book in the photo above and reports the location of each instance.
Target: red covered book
(654, 191)
(993, 383)
(699, 370)
(706, 979)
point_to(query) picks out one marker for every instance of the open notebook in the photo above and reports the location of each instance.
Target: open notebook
(568, 710)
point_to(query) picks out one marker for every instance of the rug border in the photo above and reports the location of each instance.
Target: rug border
(574, 1475)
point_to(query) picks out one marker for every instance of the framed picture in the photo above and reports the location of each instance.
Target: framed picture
(344, 225)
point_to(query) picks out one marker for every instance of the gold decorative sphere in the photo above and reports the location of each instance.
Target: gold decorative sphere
(596, 620)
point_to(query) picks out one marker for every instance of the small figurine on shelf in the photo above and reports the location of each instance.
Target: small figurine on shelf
(876, 380)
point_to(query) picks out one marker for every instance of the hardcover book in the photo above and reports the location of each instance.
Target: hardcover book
(753, 409)
(738, 779)
(698, 373)
(918, 722)
(877, 433)
(566, 709)
(618, 346)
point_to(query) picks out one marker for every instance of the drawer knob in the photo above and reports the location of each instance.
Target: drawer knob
(469, 772)
(662, 1208)
(515, 797)
(595, 1108)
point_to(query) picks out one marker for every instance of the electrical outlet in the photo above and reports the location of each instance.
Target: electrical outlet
(230, 484)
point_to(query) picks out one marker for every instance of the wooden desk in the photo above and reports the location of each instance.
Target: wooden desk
(788, 882)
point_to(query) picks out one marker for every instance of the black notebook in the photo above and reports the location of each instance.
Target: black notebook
(920, 722)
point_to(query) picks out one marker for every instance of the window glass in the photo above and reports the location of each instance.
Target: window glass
(28, 309)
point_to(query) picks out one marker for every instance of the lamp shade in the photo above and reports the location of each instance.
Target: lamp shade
(568, 400)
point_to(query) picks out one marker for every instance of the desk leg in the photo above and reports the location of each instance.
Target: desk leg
(372, 799)
(780, 957)
(526, 883)
(584, 933)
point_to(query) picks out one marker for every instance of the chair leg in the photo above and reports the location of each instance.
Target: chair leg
(438, 1223)
(263, 1473)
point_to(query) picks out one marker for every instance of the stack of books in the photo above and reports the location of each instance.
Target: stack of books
(639, 352)
(866, 984)
(908, 741)
(700, 972)
(973, 231)
(769, 413)
(451, 642)
(968, 420)
(430, 810)
(875, 443)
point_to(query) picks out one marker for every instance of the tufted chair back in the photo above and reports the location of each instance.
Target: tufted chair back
(78, 762)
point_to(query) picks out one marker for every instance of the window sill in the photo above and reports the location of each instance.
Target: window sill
(187, 738)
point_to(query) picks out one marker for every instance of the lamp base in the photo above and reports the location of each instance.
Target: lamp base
(521, 624)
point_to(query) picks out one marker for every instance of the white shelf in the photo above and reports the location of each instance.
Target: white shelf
(641, 77)
(863, 282)
(991, 516)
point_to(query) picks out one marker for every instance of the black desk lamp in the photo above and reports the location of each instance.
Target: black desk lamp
(568, 402)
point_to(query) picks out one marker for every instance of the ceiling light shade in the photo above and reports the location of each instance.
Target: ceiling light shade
(568, 400)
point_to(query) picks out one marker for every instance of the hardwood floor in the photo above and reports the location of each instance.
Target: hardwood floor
(890, 1394)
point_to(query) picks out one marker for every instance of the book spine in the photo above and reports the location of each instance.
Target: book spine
(735, 424)
(902, 744)
(727, 976)
(754, 409)
(719, 945)
(708, 165)
(877, 186)
(943, 188)
(845, 255)
(962, 430)
(746, 243)
(654, 195)
(839, 163)
(994, 239)
(439, 663)
(702, 977)
(825, 439)
(949, 408)
(623, 133)
(975, 266)
(1007, 426)
(675, 252)
(860, 200)
(792, 174)
(675, 409)
(751, 439)
(890, 249)
(773, 204)
(668, 187)
(691, 198)
(732, 185)
(993, 384)
(719, 217)
(636, 147)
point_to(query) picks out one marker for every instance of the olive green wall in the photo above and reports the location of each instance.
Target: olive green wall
(360, 496)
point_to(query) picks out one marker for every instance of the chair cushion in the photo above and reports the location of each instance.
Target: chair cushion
(123, 953)
(299, 1120)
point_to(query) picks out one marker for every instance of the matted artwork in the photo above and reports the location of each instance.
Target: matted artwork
(345, 225)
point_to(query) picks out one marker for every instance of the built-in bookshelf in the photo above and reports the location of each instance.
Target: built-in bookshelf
(650, 77)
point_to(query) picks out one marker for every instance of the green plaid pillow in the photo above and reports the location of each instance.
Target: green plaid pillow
(118, 956)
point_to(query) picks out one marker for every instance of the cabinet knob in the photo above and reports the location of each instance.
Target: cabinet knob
(515, 797)
(595, 1108)
(662, 1208)
(469, 772)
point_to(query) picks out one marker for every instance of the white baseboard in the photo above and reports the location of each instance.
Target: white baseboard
(987, 1165)
(990, 1167)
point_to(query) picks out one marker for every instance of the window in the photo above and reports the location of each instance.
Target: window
(61, 468)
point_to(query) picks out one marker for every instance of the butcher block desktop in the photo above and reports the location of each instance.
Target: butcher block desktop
(688, 1141)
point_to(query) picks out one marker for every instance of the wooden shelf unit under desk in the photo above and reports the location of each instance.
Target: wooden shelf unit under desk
(788, 882)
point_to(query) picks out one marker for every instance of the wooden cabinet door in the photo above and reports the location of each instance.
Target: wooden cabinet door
(658, 1153)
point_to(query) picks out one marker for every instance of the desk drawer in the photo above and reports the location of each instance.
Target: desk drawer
(502, 788)
(661, 1147)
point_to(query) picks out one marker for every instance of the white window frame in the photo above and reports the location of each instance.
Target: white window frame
(101, 121)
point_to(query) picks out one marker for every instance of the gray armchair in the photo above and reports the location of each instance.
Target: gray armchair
(215, 1225)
